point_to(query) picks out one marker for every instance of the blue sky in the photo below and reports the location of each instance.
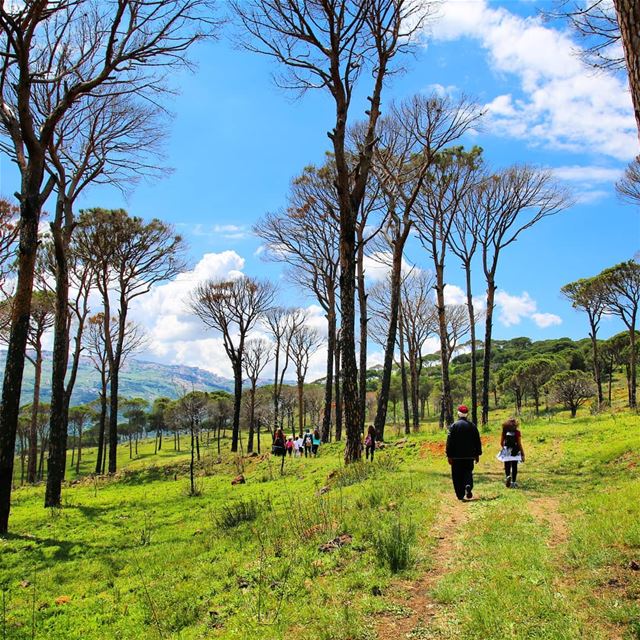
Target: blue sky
(237, 140)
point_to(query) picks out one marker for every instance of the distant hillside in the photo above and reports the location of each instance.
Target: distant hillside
(138, 378)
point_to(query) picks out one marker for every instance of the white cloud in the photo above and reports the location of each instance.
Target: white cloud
(512, 309)
(588, 181)
(174, 334)
(377, 266)
(561, 103)
(226, 231)
(588, 174)
(544, 320)
(454, 294)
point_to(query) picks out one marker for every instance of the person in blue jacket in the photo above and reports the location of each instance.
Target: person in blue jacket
(463, 450)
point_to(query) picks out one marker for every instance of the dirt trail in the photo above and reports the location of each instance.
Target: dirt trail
(417, 607)
(546, 509)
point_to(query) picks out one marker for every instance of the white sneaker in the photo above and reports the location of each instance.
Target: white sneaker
(514, 485)
(508, 482)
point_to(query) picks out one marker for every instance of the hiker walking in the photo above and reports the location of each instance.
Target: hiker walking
(289, 446)
(315, 442)
(370, 442)
(279, 448)
(307, 441)
(463, 449)
(511, 451)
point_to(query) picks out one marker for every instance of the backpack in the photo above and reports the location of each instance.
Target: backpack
(511, 441)
(308, 440)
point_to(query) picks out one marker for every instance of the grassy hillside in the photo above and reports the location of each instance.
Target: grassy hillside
(135, 557)
(138, 378)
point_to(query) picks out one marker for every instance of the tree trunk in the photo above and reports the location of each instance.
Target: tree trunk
(35, 408)
(300, 405)
(79, 451)
(632, 363)
(351, 399)
(328, 386)
(276, 393)
(628, 13)
(252, 413)
(385, 382)
(192, 463)
(237, 401)
(101, 427)
(447, 402)
(596, 365)
(338, 393)
(472, 328)
(403, 378)
(362, 304)
(43, 447)
(58, 419)
(14, 364)
(113, 418)
(486, 363)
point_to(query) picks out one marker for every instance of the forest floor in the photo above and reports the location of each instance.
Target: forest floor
(323, 552)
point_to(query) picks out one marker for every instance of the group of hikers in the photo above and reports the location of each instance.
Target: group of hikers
(464, 449)
(306, 444)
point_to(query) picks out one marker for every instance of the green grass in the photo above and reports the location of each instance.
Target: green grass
(136, 557)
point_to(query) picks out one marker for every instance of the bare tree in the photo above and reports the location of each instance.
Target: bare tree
(305, 237)
(588, 296)
(112, 140)
(233, 307)
(596, 24)
(410, 139)
(95, 342)
(70, 49)
(419, 319)
(79, 417)
(463, 242)
(604, 25)
(621, 294)
(510, 202)
(282, 323)
(452, 176)
(257, 355)
(331, 46)
(9, 230)
(628, 15)
(40, 321)
(628, 187)
(191, 409)
(128, 256)
(571, 388)
(304, 343)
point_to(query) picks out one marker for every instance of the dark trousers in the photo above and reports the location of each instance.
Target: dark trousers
(370, 449)
(462, 475)
(511, 469)
(307, 452)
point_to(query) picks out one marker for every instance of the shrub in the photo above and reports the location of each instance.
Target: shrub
(231, 515)
(394, 543)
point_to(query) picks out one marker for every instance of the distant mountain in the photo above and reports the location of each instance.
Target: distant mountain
(138, 378)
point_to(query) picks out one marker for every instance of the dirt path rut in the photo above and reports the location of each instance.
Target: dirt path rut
(416, 607)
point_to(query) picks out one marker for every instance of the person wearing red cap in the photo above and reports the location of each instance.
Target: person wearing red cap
(463, 449)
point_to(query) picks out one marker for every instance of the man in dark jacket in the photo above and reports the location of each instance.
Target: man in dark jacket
(463, 448)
